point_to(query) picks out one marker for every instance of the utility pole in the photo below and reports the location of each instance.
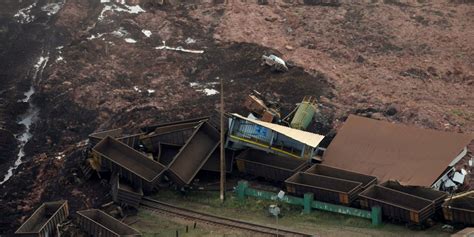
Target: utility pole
(223, 169)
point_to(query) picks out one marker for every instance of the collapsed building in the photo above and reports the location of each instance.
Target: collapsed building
(409, 155)
(272, 138)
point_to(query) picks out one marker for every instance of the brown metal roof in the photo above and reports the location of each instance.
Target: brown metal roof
(389, 151)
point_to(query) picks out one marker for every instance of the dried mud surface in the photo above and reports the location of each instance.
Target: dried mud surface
(410, 63)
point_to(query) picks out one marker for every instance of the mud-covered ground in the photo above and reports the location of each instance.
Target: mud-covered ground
(404, 62)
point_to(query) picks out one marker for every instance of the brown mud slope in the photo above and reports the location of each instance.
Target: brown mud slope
(415, 57)
(410, 63)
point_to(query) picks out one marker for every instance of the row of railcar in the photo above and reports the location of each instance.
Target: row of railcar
(399, 203)
(184, 148)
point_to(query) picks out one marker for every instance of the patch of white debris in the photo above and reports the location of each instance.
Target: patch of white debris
(121, 32)
(98, 36)
(130, 41)
(210, 91)
(190, 40)
(41, 64)
(24, 16)
(134, 9)
(52, 8)
(150, 91)
(60, 156)
(59, 58)
(179, 48)
(147, 33)
(204, 88)
(135, 88)
(122, 8)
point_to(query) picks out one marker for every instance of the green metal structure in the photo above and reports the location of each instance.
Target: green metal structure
(304, 114)
(308, 203)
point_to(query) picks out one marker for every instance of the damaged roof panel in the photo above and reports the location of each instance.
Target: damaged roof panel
(413, 156)
(310, 139)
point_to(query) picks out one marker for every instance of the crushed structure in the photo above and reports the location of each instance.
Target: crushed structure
(273, 138)
(411, 156)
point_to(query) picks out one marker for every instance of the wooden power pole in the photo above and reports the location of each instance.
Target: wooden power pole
(223, 168)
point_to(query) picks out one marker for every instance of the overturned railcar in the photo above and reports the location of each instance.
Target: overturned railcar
(190, 159)
(151, 128)
(125, 194)
(43, 222)
(214, 161)
(98, 223)
(167, 152)
(131, 140)
(129, 164)
(175, 134)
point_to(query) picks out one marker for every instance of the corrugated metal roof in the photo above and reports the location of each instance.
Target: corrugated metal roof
(310, 139)
(412, 156)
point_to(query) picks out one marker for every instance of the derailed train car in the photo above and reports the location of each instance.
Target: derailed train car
(129, 164)
(44, 220)
(190, 159)
(98, 223)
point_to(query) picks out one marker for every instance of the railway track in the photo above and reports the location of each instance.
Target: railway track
(262, 230)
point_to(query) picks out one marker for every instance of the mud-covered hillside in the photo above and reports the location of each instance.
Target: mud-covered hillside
(95, 64)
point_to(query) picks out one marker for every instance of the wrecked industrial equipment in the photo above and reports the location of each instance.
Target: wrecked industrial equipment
(304, 114)
(273, 138)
